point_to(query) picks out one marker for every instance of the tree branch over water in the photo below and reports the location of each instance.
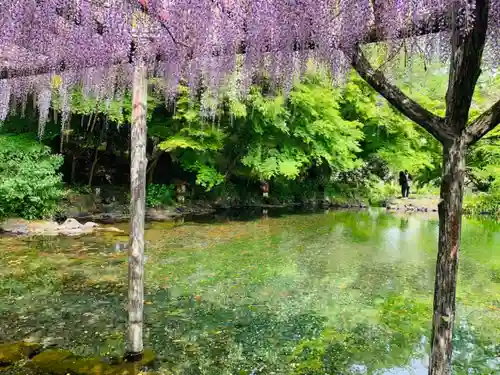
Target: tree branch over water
(410, 108)
(483, 124)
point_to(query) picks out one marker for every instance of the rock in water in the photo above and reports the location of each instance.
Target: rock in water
(71, 227)
(71, 224)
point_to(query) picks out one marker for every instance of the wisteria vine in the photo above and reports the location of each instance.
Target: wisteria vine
(93, 44)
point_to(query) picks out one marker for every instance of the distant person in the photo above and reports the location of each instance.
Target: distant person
(408, 183)
(405, 182)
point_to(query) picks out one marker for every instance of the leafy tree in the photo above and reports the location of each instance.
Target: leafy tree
(261, 136)
(30, 185)
(190, 140)
(391, 142)
(287, 136)
(484, 163)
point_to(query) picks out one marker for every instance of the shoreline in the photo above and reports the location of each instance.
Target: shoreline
(85, 223)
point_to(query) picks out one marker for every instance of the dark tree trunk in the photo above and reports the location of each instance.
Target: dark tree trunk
(450, 220)
(94, 164)
(73, 169)
(137, 214)
(152, 166)
(96, 156)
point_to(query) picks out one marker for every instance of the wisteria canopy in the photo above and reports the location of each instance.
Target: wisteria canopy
(94, 44)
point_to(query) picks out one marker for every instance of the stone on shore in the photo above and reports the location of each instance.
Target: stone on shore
(71, 227)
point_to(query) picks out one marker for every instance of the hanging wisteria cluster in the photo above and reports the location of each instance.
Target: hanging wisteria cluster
(93, 44)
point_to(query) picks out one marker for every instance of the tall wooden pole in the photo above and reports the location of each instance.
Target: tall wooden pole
(138, 164)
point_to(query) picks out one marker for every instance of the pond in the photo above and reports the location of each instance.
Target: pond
(321, 293)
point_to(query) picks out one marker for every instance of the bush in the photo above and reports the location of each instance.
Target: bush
(380, 193)
(360, 186)
(293, 191)
(483, 203)
(30, 185)
(160, 195)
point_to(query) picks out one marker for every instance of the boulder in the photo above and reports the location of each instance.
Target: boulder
(70, 224)
(15, 226)
(71, 227)
(14, 352)
(63, 362)
(167, 214)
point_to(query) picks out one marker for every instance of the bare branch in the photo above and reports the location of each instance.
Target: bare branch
(394, 54)
(410, 108)
(483, 124)
(161, 19)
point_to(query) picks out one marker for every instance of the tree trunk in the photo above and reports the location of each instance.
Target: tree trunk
(73, 169)
(138, 165)
(152, 167)
(96, 156)
(450, 221)
(92, 168)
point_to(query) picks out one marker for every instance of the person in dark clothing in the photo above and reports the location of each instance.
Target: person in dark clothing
(405, 182)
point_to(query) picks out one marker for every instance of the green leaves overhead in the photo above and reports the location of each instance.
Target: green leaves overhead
(263, 136)
(286, 136)
(179, 141)
(268, 163)
(319, 124)
(388, 135)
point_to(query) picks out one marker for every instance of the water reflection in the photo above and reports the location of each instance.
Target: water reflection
(336, 293)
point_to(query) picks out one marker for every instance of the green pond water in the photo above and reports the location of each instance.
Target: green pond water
(321, 293)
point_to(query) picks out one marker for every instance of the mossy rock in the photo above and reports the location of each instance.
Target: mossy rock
(63, 362)
(14, 352)
(126, 368)
(147, 359)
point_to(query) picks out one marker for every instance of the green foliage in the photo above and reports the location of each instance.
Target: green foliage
(350, 137)
(483, 203)
(261, 136)
(179, 142)
(319, 124)
(190, 140)
(388, 136)
(159, 195)
(206, 176)
(484, 162)
(30, 185)
(117, 110)
(286, 137)
(283, 190)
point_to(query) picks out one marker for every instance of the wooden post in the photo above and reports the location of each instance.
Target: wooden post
(138, 164)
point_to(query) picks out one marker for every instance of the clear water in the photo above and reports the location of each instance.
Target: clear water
(321, 293)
